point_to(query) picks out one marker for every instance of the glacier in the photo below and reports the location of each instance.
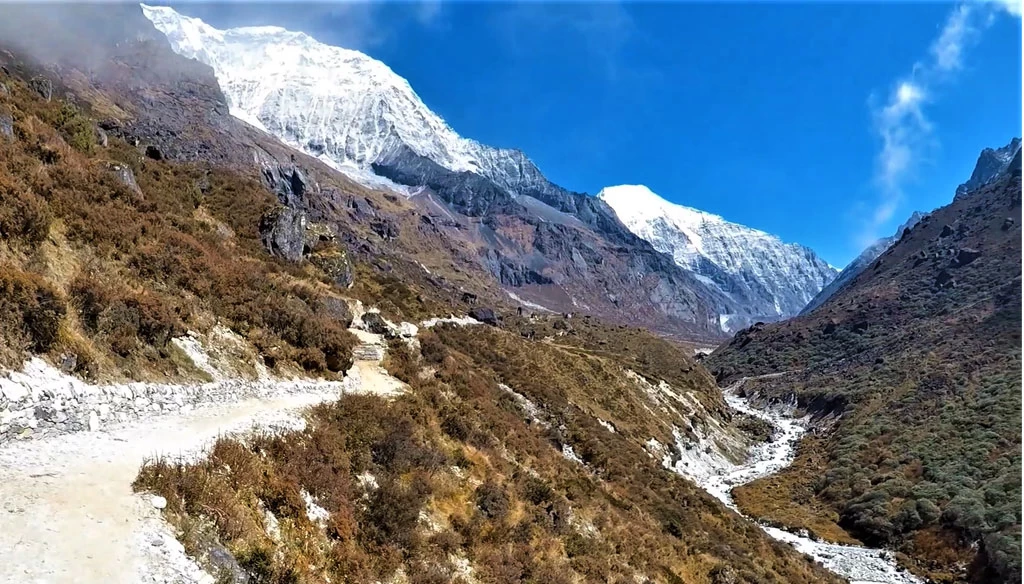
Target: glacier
(756, 269)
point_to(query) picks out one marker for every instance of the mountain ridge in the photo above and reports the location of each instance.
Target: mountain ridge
(357, 115)
(754, 267)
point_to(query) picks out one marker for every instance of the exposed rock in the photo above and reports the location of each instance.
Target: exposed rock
(154, 152)
(946, 231)
(1007, 224)
(943, 278)
(407, 330)
(4, 90)
(6, 124)
(374, 323)
(335, 263)
(484, 315)
(226, 565)
(126, 176)
(101, 137)
(469, 298)
(158, 502)
(42, 86)
(965, 256)
(287, 181)
(94, 422)
(283, 233)
(385, 229)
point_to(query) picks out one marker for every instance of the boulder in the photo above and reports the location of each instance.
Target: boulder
(1007, 224)
(6, 124)
(946, 231)
(226, 566)
(373, 322)
(283, 233)
(965, 256)
(335, 263)
(154, 153)
(338, 309)
(484, 315)
(42, 86)
(125, 175)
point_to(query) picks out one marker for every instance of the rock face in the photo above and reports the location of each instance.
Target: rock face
(992, 163)
(768, 278)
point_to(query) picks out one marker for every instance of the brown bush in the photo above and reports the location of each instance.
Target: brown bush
(30, 305)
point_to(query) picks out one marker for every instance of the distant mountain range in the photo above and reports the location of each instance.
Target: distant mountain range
(357, 115)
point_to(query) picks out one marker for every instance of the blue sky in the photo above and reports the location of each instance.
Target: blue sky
(824, 123)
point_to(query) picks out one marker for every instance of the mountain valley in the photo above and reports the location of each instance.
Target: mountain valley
(265, 317)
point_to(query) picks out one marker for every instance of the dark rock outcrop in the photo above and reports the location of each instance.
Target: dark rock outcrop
(484, 315)
(283, 233)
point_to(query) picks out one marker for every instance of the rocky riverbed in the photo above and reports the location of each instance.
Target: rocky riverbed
(860, 565)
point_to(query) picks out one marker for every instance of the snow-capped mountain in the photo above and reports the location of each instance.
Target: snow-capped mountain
(861, 262)
(755, 268)
(340, 105)
(991, 164)
(356, 114)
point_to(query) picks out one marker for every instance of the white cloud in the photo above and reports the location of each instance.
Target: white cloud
(900, 122)
(1013, 7)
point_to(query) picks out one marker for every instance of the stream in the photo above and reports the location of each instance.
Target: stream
(860, 565)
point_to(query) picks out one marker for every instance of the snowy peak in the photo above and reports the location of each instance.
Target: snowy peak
(337, 104)
(757, 270)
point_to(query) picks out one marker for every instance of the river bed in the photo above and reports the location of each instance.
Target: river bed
(860, 565)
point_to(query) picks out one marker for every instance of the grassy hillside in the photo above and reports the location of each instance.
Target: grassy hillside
(106, 254)
(920, 355)
(462, 480)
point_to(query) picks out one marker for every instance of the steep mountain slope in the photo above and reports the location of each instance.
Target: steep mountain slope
(861, 262)
(356, 114)
(919, 357)
(752, 267)
(991, 164)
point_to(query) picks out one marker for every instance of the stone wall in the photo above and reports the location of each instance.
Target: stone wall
(40, 400)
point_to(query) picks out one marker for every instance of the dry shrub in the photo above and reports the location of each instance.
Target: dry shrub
(30, 308)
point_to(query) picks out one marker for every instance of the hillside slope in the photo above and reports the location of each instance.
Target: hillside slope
(920, 354)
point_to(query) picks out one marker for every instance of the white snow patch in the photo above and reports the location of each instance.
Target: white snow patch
(527, 303)
(456, 320)
(570, 454)
(314, 512)
(607, 425)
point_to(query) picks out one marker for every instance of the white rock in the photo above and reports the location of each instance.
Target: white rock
(14, 392)
(408, 329)
(158, 502)
(94, 422)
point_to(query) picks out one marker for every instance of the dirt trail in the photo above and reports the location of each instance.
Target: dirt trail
(67, 510)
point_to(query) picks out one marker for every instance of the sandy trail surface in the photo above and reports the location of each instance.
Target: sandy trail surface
(67, 510)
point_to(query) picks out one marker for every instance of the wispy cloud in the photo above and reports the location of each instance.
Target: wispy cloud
(900, 122)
